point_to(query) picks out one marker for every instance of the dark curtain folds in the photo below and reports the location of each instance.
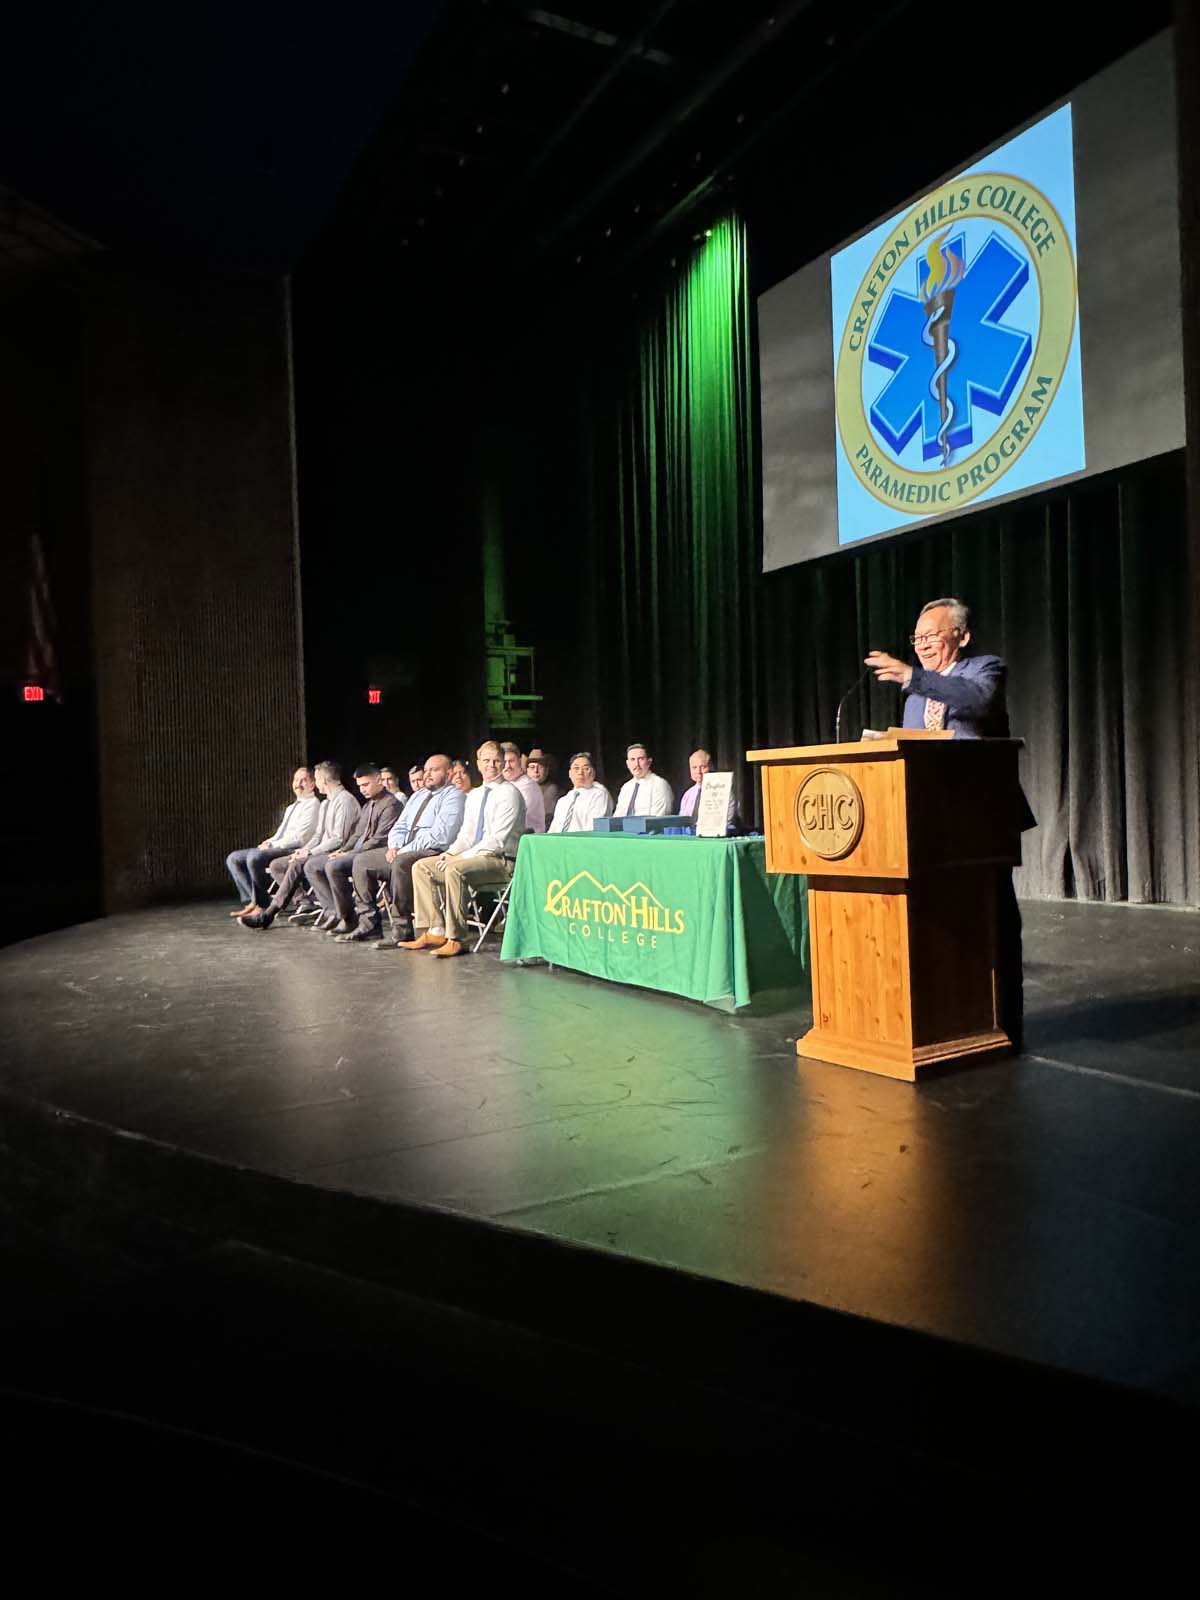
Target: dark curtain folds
(1084, 592)
(1085, 595)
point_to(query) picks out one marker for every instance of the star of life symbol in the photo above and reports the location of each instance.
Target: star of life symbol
(948, 348)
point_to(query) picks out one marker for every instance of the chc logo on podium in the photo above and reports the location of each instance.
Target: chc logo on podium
(829, 813)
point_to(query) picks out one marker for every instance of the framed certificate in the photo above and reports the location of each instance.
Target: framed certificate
(712, 810)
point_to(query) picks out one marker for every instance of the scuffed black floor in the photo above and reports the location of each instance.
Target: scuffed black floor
(992, 1206)
(585, 1286)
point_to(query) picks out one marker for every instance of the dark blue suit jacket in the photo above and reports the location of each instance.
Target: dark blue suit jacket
(973, 695)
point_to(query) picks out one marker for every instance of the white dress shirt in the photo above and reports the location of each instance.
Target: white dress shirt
(298, 825)
(655, 798)
(503, 821)
(581, 806)
(535, 805)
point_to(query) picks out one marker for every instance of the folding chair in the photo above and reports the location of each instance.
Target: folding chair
(383, 899)
(499, 912)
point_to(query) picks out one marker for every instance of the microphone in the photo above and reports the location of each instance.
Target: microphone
(837, 721)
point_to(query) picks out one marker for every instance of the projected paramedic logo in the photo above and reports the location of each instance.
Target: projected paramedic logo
(957, 344)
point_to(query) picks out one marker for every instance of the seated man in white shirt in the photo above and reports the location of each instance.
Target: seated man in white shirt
(337, 818)
(483, 854)
(700, 762)
(248, 868)
(584, 802)
(646, 794)
(531, 792)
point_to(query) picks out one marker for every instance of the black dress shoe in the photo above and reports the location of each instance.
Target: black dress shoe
(359, 936)
(338, 925)
(260, 919)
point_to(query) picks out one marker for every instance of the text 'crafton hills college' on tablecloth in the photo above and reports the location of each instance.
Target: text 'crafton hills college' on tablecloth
(634, 916)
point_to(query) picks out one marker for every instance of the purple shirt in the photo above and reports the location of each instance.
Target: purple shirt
(690, 802)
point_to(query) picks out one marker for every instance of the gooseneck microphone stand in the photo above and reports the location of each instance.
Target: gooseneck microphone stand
(837, 721)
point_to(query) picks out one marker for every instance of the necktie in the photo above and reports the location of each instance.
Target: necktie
(935, 715)
(566, 827)
(629, 809)
(366, 824)
(416, 821)
(482, 814)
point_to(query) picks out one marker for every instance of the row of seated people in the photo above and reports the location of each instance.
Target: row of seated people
(431, 848)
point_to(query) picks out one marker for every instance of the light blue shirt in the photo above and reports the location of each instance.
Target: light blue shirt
(440, 820)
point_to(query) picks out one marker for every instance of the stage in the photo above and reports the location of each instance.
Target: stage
(641, 1178)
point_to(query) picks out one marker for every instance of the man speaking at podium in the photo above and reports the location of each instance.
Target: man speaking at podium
(948, 690)
(966, 694)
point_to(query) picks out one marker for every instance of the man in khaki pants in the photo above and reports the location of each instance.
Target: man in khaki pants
(482, 854)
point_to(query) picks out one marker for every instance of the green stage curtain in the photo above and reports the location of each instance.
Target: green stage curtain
(678, 557)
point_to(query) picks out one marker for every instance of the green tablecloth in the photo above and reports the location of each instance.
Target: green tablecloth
(697, 917)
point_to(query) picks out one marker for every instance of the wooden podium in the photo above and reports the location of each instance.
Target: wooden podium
(903, 840)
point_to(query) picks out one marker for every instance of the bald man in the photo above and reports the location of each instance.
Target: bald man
(431, 818)
(483, 854)
(700, 762)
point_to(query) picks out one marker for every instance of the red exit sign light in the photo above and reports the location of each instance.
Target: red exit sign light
(374, 697)
(34, 691)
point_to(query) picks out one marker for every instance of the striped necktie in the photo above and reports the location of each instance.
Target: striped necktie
(566, 827)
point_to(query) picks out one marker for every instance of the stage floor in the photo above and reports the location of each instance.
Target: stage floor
(1046, 1208)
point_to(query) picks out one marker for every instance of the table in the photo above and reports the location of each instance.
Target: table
(694, 917)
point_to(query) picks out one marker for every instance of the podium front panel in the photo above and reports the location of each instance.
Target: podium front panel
(843, 815)
(859, 930)
(904, 843)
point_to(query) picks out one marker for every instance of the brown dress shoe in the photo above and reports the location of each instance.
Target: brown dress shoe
(251, 910)
(426, 941)
(451, 947)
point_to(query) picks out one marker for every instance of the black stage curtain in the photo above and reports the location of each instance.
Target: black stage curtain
(1084, 592)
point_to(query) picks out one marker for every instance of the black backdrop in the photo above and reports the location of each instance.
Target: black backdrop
(641, 633)
(147, 451)
(1085, 595)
